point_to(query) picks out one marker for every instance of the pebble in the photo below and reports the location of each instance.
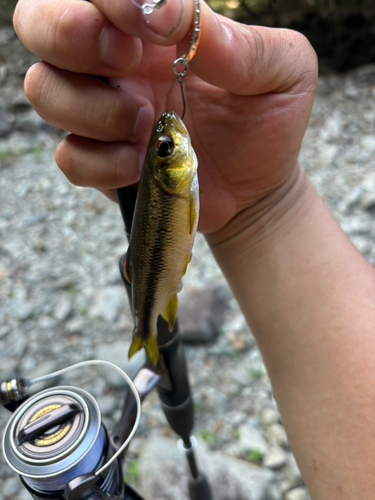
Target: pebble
(250, 439)
(109, 303)
(10, 486)
(63, 308)
(21, 310)
(297, 494)
(277, 435)
(270, 416)
(292, 474)
(275, 458)
(163, 477)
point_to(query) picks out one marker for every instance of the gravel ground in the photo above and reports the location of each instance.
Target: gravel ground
(62, 300)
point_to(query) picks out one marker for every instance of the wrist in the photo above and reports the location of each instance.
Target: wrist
(257, 225)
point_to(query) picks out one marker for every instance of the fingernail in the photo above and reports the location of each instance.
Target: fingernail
(112, 43)
(165, 20)
(143, 123)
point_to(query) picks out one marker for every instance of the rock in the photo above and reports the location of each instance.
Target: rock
(117, 353)
(367, 142)
(30, 121)
(63, 308)
(163, 474)
(75, 325)
(270, 416)
(5, 122)
(277, 435)
(46, 322)
(297, 494)
(21, 309)
(292, 474)
(16, 345)
(275, 458)
(107, 404)
(10, 486)
(249, 440)
(209, 398)
(201, 313)
(109, 303)
(365, 74)
(242, 375)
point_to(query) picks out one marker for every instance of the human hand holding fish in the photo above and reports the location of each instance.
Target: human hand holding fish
(249, 92)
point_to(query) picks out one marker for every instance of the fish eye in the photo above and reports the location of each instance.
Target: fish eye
(164, 146)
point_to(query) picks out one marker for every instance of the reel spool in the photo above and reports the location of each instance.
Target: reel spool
(58, 445)
(54, 437)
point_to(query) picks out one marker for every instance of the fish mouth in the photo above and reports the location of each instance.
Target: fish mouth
(172, 119)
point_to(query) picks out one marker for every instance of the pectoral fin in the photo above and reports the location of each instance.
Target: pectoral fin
(186, 265)
(127, 270)
(193, 212)
(170, 312)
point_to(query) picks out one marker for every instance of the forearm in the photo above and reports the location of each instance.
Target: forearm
(309, 298)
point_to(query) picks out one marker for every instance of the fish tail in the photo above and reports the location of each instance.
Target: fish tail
(151, 347)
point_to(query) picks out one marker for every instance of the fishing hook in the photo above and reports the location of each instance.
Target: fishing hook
(184, 60)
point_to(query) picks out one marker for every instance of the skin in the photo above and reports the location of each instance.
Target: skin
(304, 289)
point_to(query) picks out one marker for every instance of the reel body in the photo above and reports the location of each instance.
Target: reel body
(56, 442)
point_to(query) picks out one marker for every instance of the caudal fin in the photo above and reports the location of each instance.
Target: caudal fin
(151, 347)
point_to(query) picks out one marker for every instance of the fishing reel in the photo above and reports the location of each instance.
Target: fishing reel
(57, 443)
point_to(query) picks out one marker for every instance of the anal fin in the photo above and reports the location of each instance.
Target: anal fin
(169, 313)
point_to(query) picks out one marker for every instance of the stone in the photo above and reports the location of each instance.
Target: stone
(107, 404)
(292, 474)
(201, 313)
(63, 308)
(163, 474)
(117, 353)
(275, 458)
(10, 486)
(21, 309)
(109, 303)
(270, 416)
(250, 439)
(242, 375)
(277, 435)
(75, 325)
(297, 494)
(5, 122)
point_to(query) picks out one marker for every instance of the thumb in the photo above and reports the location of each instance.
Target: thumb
(252, 60)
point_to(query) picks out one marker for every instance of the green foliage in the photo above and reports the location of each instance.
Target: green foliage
(256, 373)
(211, 438)
(254, 455)
(132, 474)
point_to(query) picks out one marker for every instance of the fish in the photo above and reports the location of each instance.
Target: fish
(164, 226)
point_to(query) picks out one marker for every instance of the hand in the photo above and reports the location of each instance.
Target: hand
(249, 94)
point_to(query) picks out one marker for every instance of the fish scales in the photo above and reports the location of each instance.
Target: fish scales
(164, 227)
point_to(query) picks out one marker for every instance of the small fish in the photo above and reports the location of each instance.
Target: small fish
(164, 227)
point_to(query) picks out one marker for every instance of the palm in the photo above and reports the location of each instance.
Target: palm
(246, 145)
